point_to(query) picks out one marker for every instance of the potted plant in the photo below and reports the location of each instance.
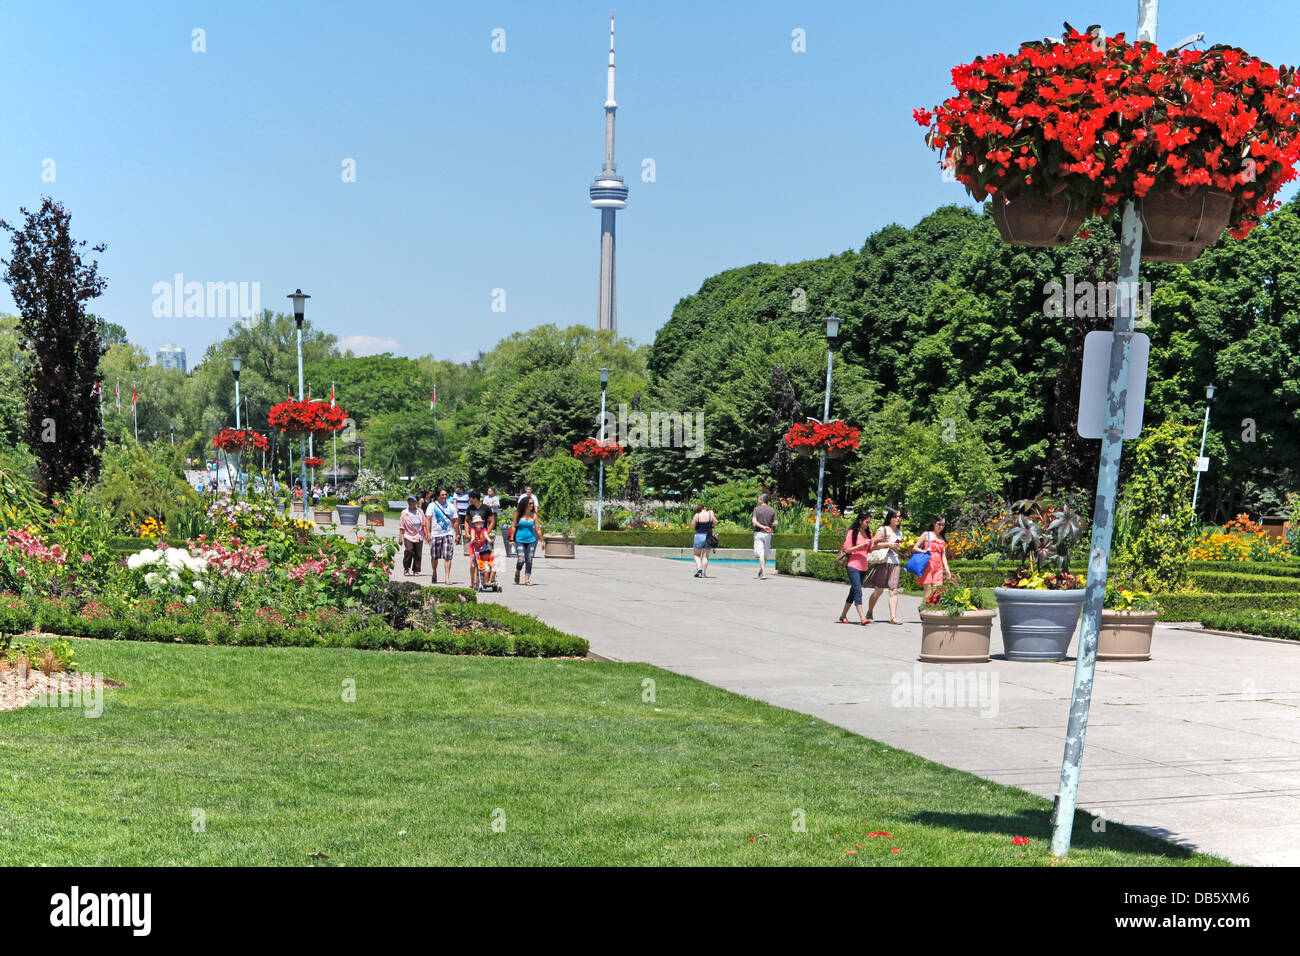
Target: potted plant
(1040, 604)
(955, 625)
(375, 514)
(1128, 619)
(1201, 140)
(560, 544)
(349, 513)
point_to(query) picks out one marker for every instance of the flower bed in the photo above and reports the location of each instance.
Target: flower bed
(1242, 541)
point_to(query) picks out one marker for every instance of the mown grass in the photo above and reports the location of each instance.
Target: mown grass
(567, 754)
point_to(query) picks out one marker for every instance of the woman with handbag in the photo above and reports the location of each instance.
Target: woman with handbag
(853, 558)
(705, 540)
(884, 565)
(936, 568)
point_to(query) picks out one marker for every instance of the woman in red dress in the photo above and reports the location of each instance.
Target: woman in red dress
(936, 572)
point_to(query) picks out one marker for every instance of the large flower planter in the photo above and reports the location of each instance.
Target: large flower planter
(297, 507)
(1038, 625)
(963, 639)
(375, 520)
(560, 546)
(1178, 228)
(348, 514)
(1023, 221)
(324, 516)
(1125, 635)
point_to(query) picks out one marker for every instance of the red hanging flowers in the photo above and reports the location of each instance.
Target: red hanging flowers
(313, 462)
(240, 440)
(592, 450)
(835, 438)
(1105, 120)
(297, 418)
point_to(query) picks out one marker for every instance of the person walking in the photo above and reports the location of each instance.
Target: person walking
(411, 529)
(763, 519)
(857, 542)
(461, 501)
(528, 493)
(528, 534)
(494, 502)
(884, 565)
(932, 541)
(476, 509)
(705, 521)
(441, 529)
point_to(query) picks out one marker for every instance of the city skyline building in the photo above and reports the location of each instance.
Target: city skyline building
(171, 356)
(609, 195)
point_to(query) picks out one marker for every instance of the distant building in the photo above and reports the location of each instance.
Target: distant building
(171, 356)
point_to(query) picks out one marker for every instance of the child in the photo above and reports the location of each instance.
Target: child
(481, 544)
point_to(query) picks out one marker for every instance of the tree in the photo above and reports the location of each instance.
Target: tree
(1156, 503)
(50, 284)
(559, 482)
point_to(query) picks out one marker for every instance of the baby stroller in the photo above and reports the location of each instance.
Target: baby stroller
(486, 569)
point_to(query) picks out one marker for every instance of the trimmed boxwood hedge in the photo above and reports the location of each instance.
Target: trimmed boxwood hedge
(685, 539)
(821, 565)
(529, 637)
(1281, 569)
(1265, 624)
(1228, 582)
(1195, 605)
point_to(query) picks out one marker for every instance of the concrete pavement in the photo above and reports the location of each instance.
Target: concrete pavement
(1200, 745)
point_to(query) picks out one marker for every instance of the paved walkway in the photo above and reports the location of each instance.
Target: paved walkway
(1201, 745)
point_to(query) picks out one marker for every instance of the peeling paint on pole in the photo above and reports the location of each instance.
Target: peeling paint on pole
(1112, 445)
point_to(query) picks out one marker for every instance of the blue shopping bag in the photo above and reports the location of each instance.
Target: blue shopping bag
(917, 563)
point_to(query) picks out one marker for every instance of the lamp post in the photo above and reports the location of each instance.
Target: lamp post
(600, 494)
(235, 365)
(832, 330)
(1209, 397)
(299, 307)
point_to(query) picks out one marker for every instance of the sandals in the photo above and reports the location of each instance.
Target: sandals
(894, 621)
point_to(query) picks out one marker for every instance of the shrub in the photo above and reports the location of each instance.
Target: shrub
(684, 539)
(1157, 504)
(1226, 582)
(1194, 605)
(732, 500)
(560, 482)
(1264, 623)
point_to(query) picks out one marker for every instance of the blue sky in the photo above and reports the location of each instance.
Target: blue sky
(472, 166)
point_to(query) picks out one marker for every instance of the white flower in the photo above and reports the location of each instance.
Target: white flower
(141, 558)
(198, 586)
(174, 578)
(152, 578)
(189, 599)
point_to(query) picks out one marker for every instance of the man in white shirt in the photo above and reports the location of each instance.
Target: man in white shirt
(441, 528)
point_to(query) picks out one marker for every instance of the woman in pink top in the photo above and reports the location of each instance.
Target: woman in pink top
(936, 572)
(411, 530)
(856, 545)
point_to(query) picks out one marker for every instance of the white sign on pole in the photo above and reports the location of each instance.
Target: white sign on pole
(1202, 464)
(1096, 379)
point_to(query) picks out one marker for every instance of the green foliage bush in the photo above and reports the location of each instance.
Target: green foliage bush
(821, 565)
(1195, 605)
(1225, 582)
(731, 500)
(1157, 505)
(685, 539)
(1263, 623)
(147, 481)
(560, 482)
(1275, 568)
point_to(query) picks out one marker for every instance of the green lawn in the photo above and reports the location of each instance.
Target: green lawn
(261, 740)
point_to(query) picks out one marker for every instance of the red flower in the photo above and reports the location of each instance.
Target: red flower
(594, 449)
(1020, 840)
(307, 416)
(240, 440)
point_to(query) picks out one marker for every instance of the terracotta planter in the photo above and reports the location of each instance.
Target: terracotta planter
(1125, 635)
(297, 507)
(963, 639)
(560, 546)
(375, 521)
(837, 452)
(803, 450)
(1179, 228)
(324, 517)
(1037, 222)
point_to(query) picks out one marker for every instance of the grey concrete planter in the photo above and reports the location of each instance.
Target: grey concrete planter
(348, 514)
(960, 639)
(1038, 625)
(1125, 635)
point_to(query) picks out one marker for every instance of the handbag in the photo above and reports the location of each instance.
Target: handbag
(842, 559)
(878, 555)
(711, 540)
(918, 562)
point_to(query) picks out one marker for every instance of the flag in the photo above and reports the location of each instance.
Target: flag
(332, 395)
(133, 397)
(95, 390)
(433, 399)
(117, 394)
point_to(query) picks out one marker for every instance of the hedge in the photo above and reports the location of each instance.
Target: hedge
(455, 634)
(821, 565)
(1195, 605)
(685, 539)
(1228, 582)
(1266, 625)
(1281, 569)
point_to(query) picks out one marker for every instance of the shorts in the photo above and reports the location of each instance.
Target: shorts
(701, 541)
(763, 544)
(443, 546)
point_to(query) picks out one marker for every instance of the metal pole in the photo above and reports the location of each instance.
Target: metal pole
(1112, 445)
(1204, 428)
(237, 424)
(821, 467)
(600, 499)
(302, 442)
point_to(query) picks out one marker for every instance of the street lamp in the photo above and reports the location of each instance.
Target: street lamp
(1209, 397)
(235, 365)
(299, 308)
(832, 330)
(600, 499)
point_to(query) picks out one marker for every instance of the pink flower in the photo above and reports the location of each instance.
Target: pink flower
(86, 559)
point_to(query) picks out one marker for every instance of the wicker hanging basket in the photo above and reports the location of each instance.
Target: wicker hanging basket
(1178, 228)
(1023, 221)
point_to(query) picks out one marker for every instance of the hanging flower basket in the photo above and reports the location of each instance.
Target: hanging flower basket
(313, 462)
(591, 450)
(300, 419)
(239, 440)
(1061, 130)
(835, 438)
(1178, 224)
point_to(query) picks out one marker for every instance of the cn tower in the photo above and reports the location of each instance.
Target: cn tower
(608, 194)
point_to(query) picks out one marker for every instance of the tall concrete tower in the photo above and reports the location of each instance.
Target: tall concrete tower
(608, 194)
